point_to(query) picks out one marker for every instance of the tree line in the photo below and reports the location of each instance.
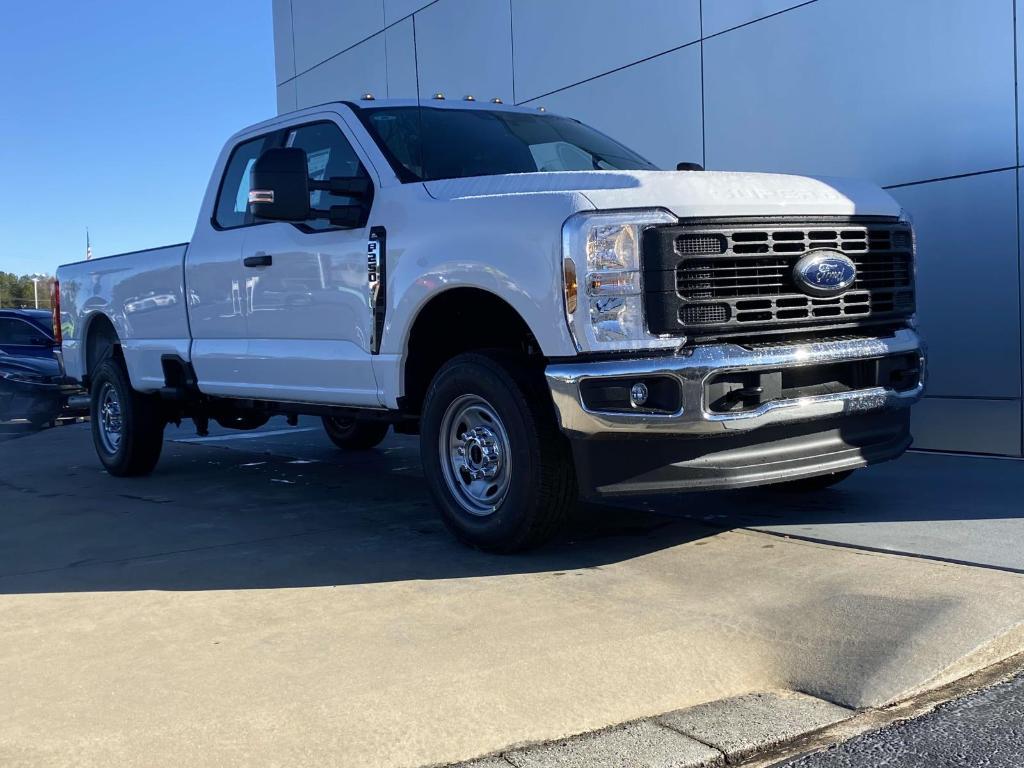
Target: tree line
(17, 291)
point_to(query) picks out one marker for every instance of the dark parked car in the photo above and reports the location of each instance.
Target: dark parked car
(27, 333)
(33, 388)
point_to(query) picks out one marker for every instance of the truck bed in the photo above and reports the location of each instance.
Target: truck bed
(142, 293)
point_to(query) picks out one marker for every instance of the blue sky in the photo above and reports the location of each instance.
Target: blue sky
(111, 115)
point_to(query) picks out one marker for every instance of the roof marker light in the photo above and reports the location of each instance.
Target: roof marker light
(439, 96)
(470, 97)
(368, 97)
(496, 100)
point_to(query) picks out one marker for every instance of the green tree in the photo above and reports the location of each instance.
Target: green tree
(17, 292)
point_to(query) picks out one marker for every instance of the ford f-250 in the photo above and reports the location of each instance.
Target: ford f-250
(550, 312)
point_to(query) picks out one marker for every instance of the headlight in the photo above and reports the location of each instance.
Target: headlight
(601, 263)
(908, 221)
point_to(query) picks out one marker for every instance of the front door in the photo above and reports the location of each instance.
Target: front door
(216, 281)
(306, 292)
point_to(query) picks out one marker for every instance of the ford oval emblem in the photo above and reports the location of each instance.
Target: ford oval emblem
(824, 273)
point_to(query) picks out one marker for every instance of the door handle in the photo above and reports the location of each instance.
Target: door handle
(259, 260)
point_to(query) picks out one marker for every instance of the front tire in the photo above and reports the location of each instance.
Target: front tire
(496, 464)
(351, 434)
(127, 426)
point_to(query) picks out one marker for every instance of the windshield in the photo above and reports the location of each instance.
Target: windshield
(426, 143)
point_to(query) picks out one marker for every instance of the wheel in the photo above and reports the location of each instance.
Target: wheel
(816, 483)
(497, 466)
(127, 426)
(351, 434)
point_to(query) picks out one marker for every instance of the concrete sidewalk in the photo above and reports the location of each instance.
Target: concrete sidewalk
(237, 608)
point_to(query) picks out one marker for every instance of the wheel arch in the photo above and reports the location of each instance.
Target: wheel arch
(99, 339)
(456, 320)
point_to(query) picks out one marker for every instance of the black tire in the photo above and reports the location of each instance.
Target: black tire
(811, 484)
(351, 434)
(535, 492)
(137, 450)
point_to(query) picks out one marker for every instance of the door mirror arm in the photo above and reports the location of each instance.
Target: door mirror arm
(351, 216)
(358, 187)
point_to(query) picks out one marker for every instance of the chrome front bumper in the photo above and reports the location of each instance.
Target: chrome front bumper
(693, 369)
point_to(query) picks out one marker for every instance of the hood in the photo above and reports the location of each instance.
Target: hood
(689, 194)
(41, 366)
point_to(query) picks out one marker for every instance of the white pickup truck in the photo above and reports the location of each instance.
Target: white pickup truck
(552, 314)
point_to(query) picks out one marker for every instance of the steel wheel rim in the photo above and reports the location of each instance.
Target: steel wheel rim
(111, 421)
(475, 457)
(342, 423)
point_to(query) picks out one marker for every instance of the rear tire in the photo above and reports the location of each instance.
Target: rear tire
(497, 466)
(811, 484)
(351, 434)
(127, 426)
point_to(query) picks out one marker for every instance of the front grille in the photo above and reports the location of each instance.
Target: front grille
(737, 278)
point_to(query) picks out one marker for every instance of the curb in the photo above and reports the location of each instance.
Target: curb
(754, 730)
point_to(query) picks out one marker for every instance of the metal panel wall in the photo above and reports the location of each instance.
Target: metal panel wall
(323, 28)
(465, 48)
(284, 52)
(892, 91)
(967, 239)
(908, 93)
(400, 41)
(664, 91)
(566, 42)
(354, 72)
(396, 10)
(717, 16)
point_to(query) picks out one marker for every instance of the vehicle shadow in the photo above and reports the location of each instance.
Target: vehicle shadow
(211, 518)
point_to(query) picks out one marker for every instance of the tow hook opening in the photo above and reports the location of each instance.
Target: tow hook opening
(738, 391)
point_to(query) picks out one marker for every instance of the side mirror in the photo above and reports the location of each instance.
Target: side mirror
(279, 185)
(689, 167)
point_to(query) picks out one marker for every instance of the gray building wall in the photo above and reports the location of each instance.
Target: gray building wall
(918, 95)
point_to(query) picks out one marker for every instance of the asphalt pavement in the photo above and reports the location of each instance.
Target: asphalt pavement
(982, 730)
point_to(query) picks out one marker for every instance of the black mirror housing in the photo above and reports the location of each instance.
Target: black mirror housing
(279, 185)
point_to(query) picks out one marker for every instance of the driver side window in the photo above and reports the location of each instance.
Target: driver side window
(328, 154)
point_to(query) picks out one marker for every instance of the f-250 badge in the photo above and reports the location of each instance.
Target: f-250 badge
(373, 268)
